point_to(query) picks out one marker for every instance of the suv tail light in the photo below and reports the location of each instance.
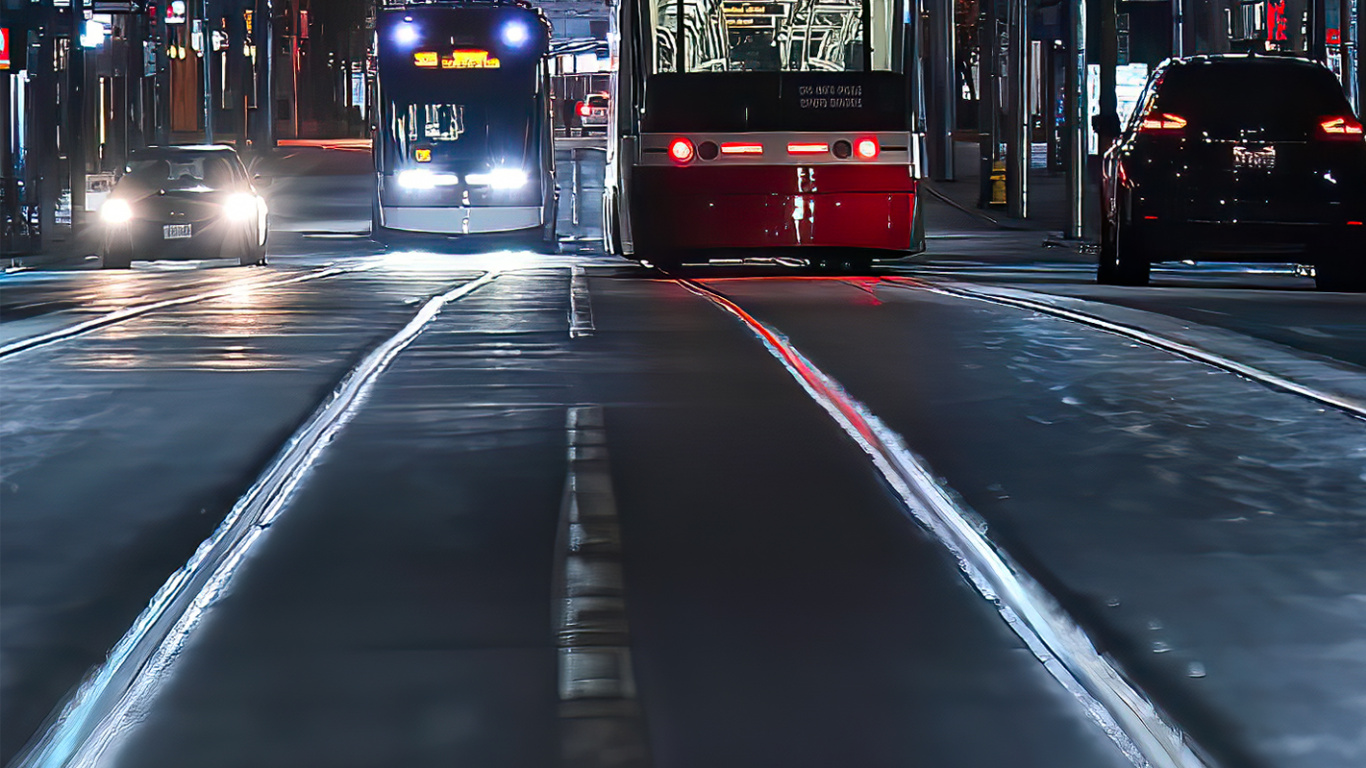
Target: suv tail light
(584, 110)
(1163, 124)
(1340, 128)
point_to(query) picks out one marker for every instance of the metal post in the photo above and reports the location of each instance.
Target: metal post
(1017, 112)
(206, 67)
(947, 85)
(986, 101)
(77, 132)
(264, 35)
(1076, 120)
(1178, 28)
(1318, 27)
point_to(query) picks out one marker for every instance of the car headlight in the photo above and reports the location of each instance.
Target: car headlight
(240, 206)
(421, 178)
(499, 178)
(116, 211)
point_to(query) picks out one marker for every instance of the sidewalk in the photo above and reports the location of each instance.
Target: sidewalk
(957, 228)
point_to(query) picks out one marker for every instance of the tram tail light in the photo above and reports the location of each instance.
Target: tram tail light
(807, 148)
(1340, 128)
(741, 148)
(866, 149)
(681, 150)
(1162, 124)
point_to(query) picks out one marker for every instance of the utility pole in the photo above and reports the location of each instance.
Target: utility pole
(1017, 113)
(1178, 28)
(1076, 121)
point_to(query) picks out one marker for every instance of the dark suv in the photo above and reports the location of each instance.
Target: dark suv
(1237, 158)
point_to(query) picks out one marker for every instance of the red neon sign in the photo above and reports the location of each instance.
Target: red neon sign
(1276, 23)
(4, 48)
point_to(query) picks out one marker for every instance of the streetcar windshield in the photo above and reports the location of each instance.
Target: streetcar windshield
(781, 36)
(442, 133)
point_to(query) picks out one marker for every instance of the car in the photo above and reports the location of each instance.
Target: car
(1241, 158)
(183, 202)
(592, 112)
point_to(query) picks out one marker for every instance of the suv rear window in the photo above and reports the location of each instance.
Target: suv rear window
(1256, 97)
(597, 101)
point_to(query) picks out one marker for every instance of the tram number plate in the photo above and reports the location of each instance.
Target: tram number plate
(1254, 157)
(175, 231)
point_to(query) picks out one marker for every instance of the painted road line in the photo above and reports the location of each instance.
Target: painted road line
(1125, 713)
(601, 720)
(117, 694)
(1349, 398)
(580, 304)
(128, 313)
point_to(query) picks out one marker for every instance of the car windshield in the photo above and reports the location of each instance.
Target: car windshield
(186, 171)
(1261, 97)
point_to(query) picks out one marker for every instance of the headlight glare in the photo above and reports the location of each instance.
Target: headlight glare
(499, 178)
(240, 206)
(116, 211)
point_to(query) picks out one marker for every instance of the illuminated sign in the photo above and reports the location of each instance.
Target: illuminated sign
(175, 12)
(473, 59)
(1276, 23)
(422, 155)
(468, 59)
(4, 48)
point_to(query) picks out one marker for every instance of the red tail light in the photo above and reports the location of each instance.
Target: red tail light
(681, 150)
(807, 148)
(1342, 128)
(583, 109)
(866, 149)
(1163, 123)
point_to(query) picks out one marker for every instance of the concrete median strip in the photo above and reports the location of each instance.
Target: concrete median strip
(116, 694)
(1125, 713)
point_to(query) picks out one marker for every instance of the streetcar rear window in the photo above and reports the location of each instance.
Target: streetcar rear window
(757, 36)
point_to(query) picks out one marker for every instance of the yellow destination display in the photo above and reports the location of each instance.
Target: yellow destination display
(470, 59)
(425, 58)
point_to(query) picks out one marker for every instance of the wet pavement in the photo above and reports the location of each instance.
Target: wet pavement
(705, 570)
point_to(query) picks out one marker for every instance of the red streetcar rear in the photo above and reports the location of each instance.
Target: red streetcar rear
(767, 127)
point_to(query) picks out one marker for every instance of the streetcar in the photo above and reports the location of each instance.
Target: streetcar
(463, 139)
(763, 127)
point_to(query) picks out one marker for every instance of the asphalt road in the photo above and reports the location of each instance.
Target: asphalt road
(509, 508)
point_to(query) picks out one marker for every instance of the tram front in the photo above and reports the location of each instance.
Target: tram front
(463, 141)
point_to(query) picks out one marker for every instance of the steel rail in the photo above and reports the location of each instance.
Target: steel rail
(128, 313)
(116, 694)
(1352, 406)
(1147, 736)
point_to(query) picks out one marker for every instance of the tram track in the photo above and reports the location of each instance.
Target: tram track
(1291, 373)
(1146, 735)
(140, 310)
(116, 694)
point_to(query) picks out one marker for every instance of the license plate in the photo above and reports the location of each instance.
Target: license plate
(1254, 157)
(175, 231)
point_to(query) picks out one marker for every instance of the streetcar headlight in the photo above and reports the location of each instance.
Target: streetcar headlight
(421, 178)
(515, 33)
(406, 33)
(116, 211)
(240, 206)
(499, 178)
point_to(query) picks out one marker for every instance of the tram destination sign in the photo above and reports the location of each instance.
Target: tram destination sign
(458, 59)
(754, 15)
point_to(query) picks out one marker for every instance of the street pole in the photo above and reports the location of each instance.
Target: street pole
(1178, 28)
(1076, 122)
(206, 67)
(947, 85)
(75, 128)
(264, 39)
(986, 101)
(1017, 130)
